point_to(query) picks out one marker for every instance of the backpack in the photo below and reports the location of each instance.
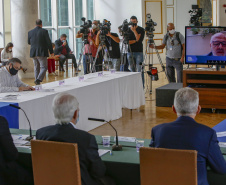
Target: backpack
(178, 39)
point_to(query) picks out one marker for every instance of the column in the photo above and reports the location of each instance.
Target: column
(24, 13)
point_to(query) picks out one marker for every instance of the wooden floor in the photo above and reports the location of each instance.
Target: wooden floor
(138, 123)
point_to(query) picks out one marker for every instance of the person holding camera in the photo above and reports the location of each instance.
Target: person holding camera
(112, 43)
(136, 37)
(175, 49)
(62, 49)
(90, 48)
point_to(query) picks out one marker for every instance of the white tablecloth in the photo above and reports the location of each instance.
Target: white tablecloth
(99, 97)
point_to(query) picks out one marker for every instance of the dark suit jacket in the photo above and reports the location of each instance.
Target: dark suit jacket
(11, 172)
(91, 165)
(59, 47)
(40, 42)
(186, 133)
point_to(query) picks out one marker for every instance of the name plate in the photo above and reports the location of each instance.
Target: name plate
(100, 73)
(81, 78)
(38, 87)
(61, 82)
(126, 139)
(112, 71)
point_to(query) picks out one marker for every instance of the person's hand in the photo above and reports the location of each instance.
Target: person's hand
(98, 33)
(78, 32)
(182, 60)
(151, 46)
(133, 28)
(71, 52)
(64, 43)
(109, 34)
(31, 88)
(28, 88)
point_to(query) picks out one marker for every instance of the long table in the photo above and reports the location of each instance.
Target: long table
(99, 97)
(123, 166)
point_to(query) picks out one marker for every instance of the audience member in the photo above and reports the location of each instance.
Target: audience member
(11, 171)
(63, 49)
(66, 112)
(185, 133)
(9, 80)
(175, 50)
(7, 53)
(40, 43)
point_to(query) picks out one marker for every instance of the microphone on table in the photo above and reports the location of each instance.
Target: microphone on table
(115, 147)
(29, 137)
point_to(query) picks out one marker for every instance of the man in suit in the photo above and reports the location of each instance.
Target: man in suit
(11, 172)
(66, 112)
(186, 133)
(62, 49)
(41, 46)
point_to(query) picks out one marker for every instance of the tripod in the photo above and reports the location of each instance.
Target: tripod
(89, 58)
(150, 63)
(103, 48)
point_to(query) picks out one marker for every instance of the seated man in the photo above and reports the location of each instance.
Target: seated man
(9, 80)
(185, 133)
(62, 49)
(66, 112)
(11, 172)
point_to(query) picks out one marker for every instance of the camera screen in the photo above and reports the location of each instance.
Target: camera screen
(205, 45)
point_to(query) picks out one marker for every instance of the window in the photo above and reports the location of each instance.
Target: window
(90, 10)
(45, 12)
(78, 45)
(63, 13)
(78, 12)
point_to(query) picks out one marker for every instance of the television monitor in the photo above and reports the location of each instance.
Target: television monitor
(205, 45)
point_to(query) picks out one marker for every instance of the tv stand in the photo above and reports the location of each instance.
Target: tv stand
(211, 86)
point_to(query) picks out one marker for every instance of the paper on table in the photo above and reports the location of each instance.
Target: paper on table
(19, 141)
(102, 152)
(221, 134)
(126, 139)
(222, 144)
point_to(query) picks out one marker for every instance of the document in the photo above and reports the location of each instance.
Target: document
(126, 139)
(103, 152)
(20, 141)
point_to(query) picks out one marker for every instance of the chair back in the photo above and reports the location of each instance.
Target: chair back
(160, 166)
(55, 163)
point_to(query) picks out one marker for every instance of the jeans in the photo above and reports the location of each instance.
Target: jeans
(171, 65)
(135, 59)
(68, 56)
(114, 63)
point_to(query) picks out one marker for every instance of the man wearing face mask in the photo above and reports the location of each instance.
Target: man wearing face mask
(9, 80)
(174, 43)
(62, 49)
(90, 48)
(136, 37)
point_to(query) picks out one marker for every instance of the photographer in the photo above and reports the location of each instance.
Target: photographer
(112, 43)
(136, 37)
(91, 47)
(63, 50)
(174, 43)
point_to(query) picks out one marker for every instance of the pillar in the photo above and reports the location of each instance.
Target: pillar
(24, 13)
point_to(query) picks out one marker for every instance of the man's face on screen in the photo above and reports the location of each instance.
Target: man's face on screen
(218, 45)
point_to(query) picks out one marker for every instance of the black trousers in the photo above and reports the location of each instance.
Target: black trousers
(68, 56)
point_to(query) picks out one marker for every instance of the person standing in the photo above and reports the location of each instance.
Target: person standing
(175, 49)
(64, 51)
(41, 46)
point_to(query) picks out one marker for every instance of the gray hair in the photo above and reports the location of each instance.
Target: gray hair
(64, 106)
(13, 61)
(217, 35)
(186, 101)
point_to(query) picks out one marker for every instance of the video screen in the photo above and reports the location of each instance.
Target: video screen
(205, 45)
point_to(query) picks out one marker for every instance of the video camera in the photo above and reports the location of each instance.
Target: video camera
(150, 28)
(85, 29)
(124, 30)
(196, 15)
(105, 27)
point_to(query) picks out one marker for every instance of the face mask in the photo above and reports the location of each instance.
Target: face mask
(94, 26)
(172, 31)
(13, 71)
(10, 50)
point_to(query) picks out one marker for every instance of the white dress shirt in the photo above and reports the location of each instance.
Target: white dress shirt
(8, 82)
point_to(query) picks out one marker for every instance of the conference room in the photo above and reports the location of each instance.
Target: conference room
(112, 92)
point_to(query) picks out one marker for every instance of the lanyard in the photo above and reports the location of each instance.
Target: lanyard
(109, 41)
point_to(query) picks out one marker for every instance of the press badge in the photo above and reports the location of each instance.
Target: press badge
(110, 48)
(171, 48)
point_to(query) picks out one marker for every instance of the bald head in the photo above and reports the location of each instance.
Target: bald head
(218, 44)
(171, 28)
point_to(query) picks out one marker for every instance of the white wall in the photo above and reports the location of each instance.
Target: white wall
(117, 11)
(182, 15)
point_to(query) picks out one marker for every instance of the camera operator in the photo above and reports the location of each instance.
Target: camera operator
(91, 47)
(112, 43)
(136, 37)
(174, 43)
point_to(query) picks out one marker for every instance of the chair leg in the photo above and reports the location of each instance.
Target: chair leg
(66, 64)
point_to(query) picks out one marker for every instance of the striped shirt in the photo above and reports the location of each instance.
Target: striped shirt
(8, 82)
